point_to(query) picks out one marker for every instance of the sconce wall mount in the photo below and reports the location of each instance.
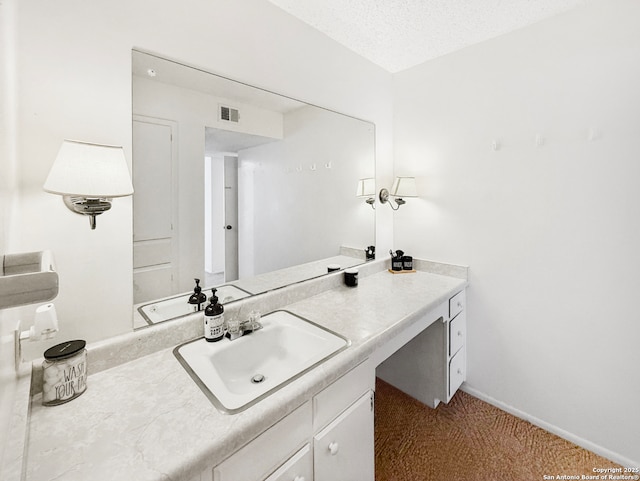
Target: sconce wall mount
(87, 206)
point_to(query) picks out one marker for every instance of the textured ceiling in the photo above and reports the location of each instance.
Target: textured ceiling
(398, 34)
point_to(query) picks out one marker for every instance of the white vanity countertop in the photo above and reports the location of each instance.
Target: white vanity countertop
(269, 281)
(282, 277)
(148, 420)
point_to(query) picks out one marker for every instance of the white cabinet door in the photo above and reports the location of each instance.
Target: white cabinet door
(343, 451)
(457, 372)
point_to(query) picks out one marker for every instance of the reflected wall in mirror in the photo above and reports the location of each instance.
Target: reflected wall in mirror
(238, 185)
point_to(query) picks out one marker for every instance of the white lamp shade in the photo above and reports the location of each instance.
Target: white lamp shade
(89, 170)
(366, 187)
(404, 187)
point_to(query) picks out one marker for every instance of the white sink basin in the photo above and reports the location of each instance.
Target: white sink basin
(236, 374)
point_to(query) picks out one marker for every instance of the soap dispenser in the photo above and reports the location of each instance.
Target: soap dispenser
(198, 297)
(214, 319)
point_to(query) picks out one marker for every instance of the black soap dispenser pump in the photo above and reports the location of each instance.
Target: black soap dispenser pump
(198, 297)
(214, 319)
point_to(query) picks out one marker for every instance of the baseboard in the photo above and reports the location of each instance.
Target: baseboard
(583, 443)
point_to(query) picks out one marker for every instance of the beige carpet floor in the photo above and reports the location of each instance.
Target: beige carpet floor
(467, 440)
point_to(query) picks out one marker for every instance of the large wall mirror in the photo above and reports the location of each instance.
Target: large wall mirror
(239, 187)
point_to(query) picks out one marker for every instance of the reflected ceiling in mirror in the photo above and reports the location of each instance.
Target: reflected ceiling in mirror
(235, 185)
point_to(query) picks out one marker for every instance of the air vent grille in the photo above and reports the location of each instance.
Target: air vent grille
(229, 114)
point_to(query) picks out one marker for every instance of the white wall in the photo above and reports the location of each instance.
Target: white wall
(8, 204)
(74, 81)
(8, 103)
(295, 187)
(551, 232)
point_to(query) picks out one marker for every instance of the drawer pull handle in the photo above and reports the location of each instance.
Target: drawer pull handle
(460, 333)
(460, 304)
(333, 448)
(459, 371)
(298, 478)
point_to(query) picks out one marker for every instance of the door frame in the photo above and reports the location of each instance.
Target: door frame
(231, 252)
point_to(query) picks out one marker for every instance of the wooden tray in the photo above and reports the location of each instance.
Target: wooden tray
(402, 271)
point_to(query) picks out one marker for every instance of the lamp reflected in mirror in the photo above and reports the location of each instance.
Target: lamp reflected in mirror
(88, 176)
(367, 188)
(402, 187)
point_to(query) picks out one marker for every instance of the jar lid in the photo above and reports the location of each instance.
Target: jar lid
(64, 350)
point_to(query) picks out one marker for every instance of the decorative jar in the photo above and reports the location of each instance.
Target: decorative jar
(64, 372)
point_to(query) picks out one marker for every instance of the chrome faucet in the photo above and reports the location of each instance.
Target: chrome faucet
(236, 330)
(252, 324)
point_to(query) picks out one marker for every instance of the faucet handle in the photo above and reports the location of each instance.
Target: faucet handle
(252, 323)
(254, 317)
(234, 328)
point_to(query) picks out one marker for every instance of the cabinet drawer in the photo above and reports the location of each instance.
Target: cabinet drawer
(457, 333)
(269, 450)
(298, 468)
(456, 304)
(457, 371)
(331, 401)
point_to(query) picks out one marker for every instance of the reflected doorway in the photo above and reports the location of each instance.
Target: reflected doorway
(221, 218)
(228, 235)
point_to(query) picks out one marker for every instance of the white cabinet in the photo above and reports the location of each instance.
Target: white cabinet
(456, 304)
(344, 450)
(457, 372)
(264, 455)
(340, 416)
(343, 425)
(330, 402)
(432, 366)
(456, 341)
(298, 468)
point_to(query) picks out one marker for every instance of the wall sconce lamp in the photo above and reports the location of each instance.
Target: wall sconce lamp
(367, 188)
(402, 187)
(88, 176)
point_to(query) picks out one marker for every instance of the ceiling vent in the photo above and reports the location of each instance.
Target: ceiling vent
(229, 114)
